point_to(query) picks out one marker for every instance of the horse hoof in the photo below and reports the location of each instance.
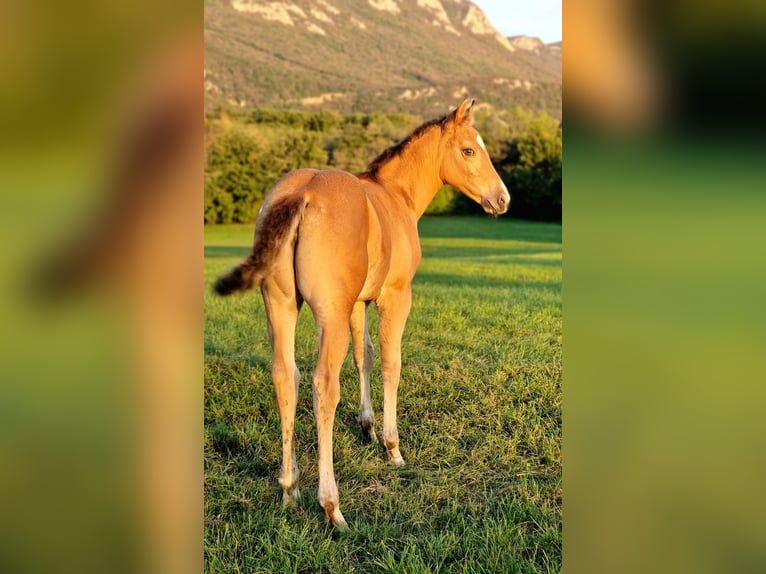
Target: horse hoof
(395, 457)
(338, 521)
(332, 514)
(291, 497)
(369, 433)
(368, 426)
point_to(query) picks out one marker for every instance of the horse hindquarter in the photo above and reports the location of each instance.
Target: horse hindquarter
(330, 271)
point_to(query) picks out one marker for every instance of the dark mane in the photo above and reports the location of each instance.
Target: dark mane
(389, 153)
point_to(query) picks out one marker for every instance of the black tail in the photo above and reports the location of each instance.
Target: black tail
(238, 279)
(277, 225)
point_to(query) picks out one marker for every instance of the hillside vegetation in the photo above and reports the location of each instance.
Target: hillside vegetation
(248, 152)
(412, 56)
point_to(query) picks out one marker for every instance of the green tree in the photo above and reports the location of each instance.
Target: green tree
(540, 141)
(232, 185)
(248, 153)
(532, 170)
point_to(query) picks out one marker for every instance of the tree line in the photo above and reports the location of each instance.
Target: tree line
(247, 152)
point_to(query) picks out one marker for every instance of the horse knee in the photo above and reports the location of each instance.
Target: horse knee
(332, 396)
(326, 391)
(282, 371)
(285, 379)
(391, 362)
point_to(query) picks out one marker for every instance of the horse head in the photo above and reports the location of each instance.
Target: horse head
(466, 164)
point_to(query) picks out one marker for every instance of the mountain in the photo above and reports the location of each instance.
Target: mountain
(416, 56)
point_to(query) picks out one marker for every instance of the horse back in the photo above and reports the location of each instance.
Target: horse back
(355, 237)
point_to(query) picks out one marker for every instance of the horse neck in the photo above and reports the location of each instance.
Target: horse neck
(415, 173)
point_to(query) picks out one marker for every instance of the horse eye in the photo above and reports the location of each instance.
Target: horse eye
(468, 151)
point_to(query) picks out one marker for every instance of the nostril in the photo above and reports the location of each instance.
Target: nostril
(501, 200)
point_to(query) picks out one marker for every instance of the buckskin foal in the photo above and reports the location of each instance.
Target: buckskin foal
(339, 241)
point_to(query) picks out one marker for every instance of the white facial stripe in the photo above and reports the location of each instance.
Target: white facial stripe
(480, 141)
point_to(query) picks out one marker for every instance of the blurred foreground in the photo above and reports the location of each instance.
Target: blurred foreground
(664, 228)
(101, 172)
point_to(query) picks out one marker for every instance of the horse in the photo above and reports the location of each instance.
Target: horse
(340, 241)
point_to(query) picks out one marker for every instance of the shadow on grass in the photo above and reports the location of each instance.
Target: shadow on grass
(496, 254)
(480, 227)
(518, 255)
(471, 228)
(427, 279)
(225, 251)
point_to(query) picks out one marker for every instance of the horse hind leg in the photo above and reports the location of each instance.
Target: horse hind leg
(333, 346)
(364, 355)
(282, 309)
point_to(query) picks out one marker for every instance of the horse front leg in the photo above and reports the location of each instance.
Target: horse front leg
(364, 355)
(393, 309)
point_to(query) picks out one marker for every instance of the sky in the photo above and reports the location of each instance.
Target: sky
(541, 18)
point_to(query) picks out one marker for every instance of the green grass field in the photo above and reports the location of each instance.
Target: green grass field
(479, 419)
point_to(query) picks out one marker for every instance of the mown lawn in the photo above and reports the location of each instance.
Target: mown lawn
(479, 419)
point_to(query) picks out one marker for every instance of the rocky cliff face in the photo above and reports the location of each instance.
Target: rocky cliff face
(355, 55)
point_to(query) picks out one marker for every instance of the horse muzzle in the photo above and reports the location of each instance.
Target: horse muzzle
(497, 203)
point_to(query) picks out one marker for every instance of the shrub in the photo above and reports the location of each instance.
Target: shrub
(248, 153)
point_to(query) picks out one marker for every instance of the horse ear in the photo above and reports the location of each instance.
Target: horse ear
(464, 112)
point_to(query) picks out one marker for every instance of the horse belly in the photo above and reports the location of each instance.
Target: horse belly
(375, 278)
